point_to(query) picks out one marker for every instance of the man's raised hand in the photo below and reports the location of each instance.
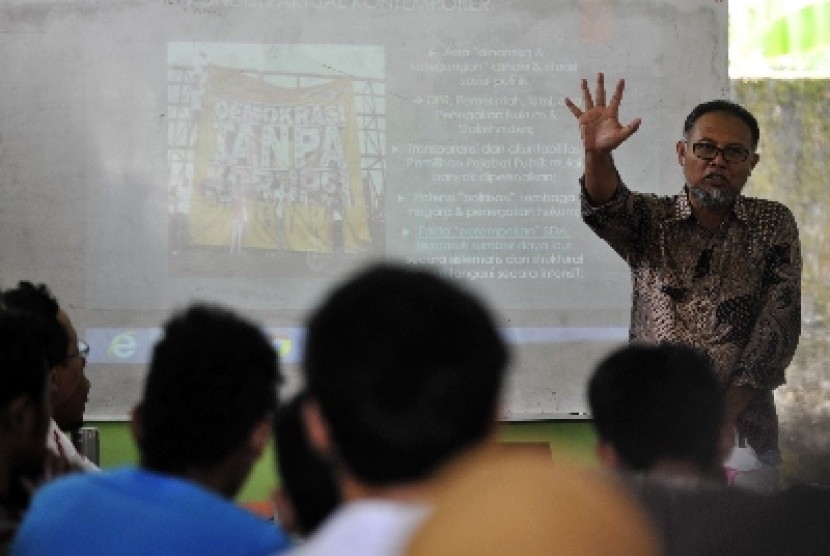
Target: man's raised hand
(599, 124)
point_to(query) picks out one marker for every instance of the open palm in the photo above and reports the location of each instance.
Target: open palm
(599, 123)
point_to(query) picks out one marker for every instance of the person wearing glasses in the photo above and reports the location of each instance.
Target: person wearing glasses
(711, 268)
(69, 385)
(205, 418)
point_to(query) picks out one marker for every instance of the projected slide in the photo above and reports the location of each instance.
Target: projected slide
(252, 153)
(280, 165)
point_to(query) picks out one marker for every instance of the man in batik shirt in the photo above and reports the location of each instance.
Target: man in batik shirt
(711, 269)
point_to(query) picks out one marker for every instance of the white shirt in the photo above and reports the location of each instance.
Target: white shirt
(59, 444)
(365, 528)
(742, 458)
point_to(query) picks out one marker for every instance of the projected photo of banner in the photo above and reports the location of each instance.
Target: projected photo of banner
(269, 164)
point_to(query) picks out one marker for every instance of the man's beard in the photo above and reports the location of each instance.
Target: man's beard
(714, 198)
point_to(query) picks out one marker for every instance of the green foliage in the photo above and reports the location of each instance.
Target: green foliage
(794, 117)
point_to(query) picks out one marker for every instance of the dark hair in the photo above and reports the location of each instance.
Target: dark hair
(407, 368)
(655, 402)
(23, 369)
(212, 377)
(38, 301)
(723, 106)
(306, 477)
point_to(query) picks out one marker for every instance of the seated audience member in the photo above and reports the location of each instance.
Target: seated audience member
(70, 387)
(657, 409)
(404, 371)
(657, 413)
(24, 417)
(205, 416)
(308, 491)
(525, 504)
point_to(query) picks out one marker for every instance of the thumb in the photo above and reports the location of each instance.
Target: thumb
(631, 128)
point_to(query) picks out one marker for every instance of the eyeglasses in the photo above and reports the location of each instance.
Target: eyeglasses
(730, 153)
(82, 351)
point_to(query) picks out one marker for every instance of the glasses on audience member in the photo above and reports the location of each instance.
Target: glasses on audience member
(730, 153)
(82, 351)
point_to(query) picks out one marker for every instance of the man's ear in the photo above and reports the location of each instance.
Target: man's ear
(316, 428)
(753, 161)
(680, 147)
(607, 455)
(54, 380)
(16, 416)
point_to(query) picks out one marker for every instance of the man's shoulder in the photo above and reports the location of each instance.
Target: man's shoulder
(57, 507)
(73, 482)
(75, 491)
(131, 489)
(150, 510)
(756, 207)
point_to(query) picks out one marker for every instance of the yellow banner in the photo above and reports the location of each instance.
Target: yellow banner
(278, 166)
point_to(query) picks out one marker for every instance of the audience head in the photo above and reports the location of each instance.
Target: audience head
(406, 370)
(24, 402)
(66, 356)
(655, 405)
(308, 489)
(38, 301)
(209, 398)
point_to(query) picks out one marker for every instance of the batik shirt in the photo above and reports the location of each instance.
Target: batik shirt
(734, 293)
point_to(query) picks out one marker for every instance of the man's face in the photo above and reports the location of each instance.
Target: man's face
(70, 386)
(716, 183)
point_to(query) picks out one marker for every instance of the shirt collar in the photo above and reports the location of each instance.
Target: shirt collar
(740, 209)
(682, 206)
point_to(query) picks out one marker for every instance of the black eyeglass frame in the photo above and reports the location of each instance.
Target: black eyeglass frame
(730, 153)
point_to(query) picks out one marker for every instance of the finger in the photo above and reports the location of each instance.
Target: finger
(573, 108)
(631, 128)
(616, 99)
(586, 95)
(600, 89)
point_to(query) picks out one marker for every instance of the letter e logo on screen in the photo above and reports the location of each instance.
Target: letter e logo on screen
(122, 346)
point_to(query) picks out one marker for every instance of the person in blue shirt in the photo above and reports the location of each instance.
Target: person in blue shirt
(204, 419)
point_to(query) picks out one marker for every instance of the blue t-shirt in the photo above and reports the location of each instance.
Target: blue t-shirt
(132, 511)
